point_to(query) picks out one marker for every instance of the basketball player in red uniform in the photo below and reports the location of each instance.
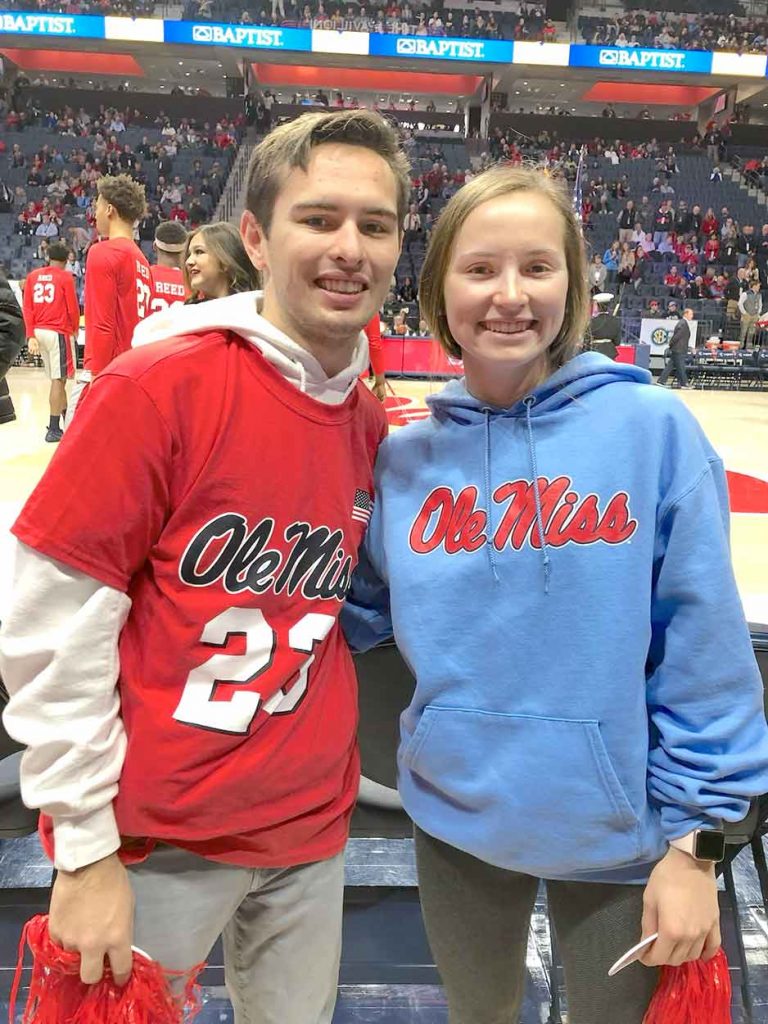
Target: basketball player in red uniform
(52, 320)
(191, 735)
(167, 278)
(118, 286)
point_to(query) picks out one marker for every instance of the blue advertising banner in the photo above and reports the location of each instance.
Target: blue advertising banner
(632, 58)
(67, 26)
(491, 51)
(256, 37)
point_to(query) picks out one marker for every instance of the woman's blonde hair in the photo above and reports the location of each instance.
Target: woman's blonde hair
(223, 242)
(496, 183)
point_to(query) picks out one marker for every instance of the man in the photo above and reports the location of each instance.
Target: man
(678, 347)
(626, 219)
(167, 278)
(118, 286)
(52, 320)
(662, 224)
(746, 244)
(201, 568)
(605, 329)
(750, 308)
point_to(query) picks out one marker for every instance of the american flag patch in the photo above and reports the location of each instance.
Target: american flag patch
(362, 507)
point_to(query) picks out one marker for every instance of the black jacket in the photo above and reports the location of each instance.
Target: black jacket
(680, 337)
(11, 340)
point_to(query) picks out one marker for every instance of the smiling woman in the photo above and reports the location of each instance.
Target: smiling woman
(564, 520)
(216, 264)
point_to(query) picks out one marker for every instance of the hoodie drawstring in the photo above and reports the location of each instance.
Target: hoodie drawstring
(488, 502)
(529, 402)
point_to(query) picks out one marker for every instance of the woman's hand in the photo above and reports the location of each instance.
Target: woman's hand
(680, 903)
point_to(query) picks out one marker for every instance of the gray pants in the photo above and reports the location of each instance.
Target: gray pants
(281, 929)
(477, 918)
(675, 364)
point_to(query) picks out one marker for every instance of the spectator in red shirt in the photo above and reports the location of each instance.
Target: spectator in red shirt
(672, 279)
(710, 225)
(712, 249)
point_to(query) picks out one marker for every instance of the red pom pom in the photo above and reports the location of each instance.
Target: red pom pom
(694, 993)
(57, 996)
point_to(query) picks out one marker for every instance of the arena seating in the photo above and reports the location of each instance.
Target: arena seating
(20, 251)
(726, 30)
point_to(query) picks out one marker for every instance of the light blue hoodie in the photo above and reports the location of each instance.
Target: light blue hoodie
(578, 704)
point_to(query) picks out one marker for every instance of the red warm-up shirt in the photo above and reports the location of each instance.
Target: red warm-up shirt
(50, 301)
(375, 344)
(118, 291)
(235, 532)
(167, 287)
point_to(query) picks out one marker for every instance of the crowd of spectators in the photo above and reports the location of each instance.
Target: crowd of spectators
(673, 31)
(514, 19)
(50, 190)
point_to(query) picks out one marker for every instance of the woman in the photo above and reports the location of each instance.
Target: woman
(548, 736)
(407, 292)
(627, 262)
(611, 258)
(216, 264)
(597, 274)
(710, 225)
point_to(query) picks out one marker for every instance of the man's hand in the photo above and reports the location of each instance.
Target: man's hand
(33, 346)
(92, 914)
(379, 387)
(680, 903)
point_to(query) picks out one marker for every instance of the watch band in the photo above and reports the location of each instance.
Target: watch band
(684, 843)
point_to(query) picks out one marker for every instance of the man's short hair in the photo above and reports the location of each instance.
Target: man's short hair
(290, 145)
(126, 195)
(171, 236)
(58, 252)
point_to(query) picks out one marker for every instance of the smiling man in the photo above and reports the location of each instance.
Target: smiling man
(191, 734)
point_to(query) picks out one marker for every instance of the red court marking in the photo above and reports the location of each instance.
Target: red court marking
(747, 493)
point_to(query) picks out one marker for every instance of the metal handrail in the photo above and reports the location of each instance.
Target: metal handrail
(230, 197)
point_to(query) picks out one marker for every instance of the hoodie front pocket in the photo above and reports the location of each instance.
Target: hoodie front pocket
(537, 794)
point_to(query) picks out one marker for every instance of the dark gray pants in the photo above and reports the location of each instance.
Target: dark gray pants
(675, 361)
(477, 918)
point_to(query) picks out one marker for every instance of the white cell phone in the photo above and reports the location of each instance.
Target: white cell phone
(632, 954)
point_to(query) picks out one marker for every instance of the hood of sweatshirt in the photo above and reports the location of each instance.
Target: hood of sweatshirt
(240, 313)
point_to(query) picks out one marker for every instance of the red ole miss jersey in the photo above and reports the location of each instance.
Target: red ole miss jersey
(50, 301)
(234, 532)
(167, 287)
(118, 290)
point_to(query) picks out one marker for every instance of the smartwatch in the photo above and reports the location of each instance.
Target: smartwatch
(703, 844)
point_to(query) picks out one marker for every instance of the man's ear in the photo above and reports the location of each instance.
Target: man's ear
(254, 240)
